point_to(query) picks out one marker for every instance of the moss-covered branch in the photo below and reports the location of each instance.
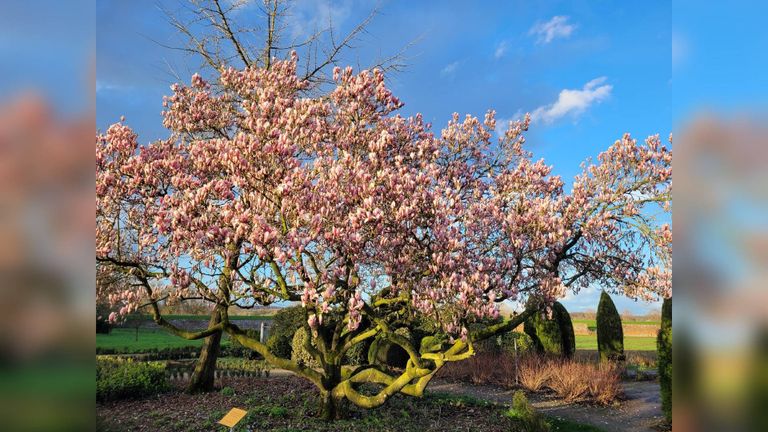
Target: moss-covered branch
(392, 386)
(504, 326)
(242, 337)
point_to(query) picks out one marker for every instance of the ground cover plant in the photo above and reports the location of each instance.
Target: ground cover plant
(370, 220)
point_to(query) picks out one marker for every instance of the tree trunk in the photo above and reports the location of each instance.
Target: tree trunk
(331, 408)
(203, 377)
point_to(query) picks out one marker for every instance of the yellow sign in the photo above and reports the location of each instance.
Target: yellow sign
(233, 416)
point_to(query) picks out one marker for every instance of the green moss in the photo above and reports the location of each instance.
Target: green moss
(665, 358)
(610, 335)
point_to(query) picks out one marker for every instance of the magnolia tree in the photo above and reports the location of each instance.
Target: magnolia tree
(366, 218)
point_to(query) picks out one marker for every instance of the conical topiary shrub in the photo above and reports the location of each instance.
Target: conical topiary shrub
(610, 335)
(563, 318)
(552, 336)
(664, 346)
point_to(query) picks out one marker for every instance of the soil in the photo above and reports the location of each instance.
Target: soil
(286, 403)
(640, 411)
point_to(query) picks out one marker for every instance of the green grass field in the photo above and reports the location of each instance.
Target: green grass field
(593, 323)
(125, 340)
(589, 342)
(206, 317)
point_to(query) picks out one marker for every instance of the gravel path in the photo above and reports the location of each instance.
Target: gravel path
(639, 412)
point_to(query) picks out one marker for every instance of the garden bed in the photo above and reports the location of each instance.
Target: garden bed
(287, 403)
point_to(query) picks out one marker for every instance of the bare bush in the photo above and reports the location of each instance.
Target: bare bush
(569, 379)
(604, 383)
(644, 359)
(483, 369)
(534, 372)
(573, 380)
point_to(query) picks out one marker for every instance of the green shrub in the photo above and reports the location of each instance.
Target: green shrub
(547, 335)
(757, 389)
(358, 354)
(299, 352)
(563, 318)
(121, 379)
(103, 326)
(236, 349)
(507, 341)
(664, 346)
(523, 412)
(610, 336)
(277, 411)
(284, 326)
(227, 391)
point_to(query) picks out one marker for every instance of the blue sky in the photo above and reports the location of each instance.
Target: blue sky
(589, 71)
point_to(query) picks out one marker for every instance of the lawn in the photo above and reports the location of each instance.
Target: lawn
(631, 343)
(125, 340)
(207, 317)
(593, 323)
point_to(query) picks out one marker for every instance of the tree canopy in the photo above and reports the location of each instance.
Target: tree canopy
(261, 194)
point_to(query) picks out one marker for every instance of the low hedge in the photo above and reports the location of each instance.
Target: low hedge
(126, 378)
(229, 350)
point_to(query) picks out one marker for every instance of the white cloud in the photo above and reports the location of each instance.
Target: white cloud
(501, 49)
(449, 69)
(573, 101)
(557, 27)
(308, 16)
